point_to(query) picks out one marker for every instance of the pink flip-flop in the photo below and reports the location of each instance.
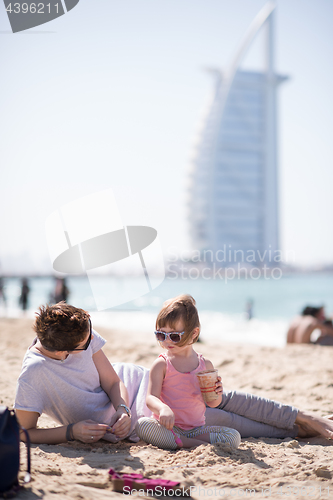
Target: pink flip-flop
(121, 480)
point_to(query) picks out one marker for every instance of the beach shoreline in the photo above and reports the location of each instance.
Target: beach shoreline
(301, 375)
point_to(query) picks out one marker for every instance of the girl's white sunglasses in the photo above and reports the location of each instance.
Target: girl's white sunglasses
(173, 336)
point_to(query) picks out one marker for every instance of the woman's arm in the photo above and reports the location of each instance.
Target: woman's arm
(218, 387)
(83, 431)
(117, 392)
(156, 377)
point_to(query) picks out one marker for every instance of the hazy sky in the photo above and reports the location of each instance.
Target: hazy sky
(111, 95)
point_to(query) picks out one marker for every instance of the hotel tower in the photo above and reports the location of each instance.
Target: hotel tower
(233, 196)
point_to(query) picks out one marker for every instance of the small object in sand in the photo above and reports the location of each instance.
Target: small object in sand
(207, 380)
(293, 444)
(131, 482)
(323, 472)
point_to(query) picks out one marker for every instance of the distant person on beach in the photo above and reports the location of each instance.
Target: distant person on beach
(302, 326)
(61, 291)
(24, 297)
(249, 309)
(66, 375)
(174, 394)
(2, 292)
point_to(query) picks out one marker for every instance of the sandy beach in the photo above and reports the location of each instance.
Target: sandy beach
(301, 375)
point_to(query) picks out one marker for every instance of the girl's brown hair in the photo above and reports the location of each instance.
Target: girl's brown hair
(181, 308)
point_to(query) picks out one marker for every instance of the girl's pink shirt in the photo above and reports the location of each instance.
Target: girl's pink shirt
(181, 392)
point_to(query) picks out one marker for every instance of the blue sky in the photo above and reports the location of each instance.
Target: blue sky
(111, 95)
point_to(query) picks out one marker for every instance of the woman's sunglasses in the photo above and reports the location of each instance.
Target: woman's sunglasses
(173, 336)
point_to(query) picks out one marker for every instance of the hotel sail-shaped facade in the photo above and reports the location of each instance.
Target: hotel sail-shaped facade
(233, 199)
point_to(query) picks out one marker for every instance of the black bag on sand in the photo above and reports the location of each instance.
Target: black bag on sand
(10, 453)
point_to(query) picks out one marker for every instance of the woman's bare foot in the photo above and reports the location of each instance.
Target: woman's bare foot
(311, 425)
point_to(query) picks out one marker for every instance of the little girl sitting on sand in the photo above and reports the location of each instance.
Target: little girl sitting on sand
(174, 394)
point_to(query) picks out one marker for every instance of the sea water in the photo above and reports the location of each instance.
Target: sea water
(221, 304)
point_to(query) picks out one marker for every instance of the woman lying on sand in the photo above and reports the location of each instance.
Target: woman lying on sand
(66, 375)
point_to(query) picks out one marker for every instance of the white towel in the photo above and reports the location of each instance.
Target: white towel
(135, 379)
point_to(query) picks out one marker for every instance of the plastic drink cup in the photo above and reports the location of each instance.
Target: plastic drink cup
(207, 382)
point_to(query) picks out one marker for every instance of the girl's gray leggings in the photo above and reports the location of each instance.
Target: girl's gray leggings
(254, 416)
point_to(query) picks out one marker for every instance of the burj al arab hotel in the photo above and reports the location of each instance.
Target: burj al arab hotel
(233, 198)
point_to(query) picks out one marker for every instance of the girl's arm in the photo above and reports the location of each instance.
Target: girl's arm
(218, 387)
(117, 392)
(156, 377)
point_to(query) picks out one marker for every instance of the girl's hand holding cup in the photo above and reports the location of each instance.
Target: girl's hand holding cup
(210, 385)
(219, 386)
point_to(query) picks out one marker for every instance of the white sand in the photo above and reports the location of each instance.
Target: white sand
(298, 375)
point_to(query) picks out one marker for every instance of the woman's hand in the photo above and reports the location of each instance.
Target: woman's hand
(167, 417)
(218, 386)
(89, 431)
(120, 423)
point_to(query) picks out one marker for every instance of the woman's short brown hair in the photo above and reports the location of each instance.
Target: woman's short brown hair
(181, 308)
(61, 327)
